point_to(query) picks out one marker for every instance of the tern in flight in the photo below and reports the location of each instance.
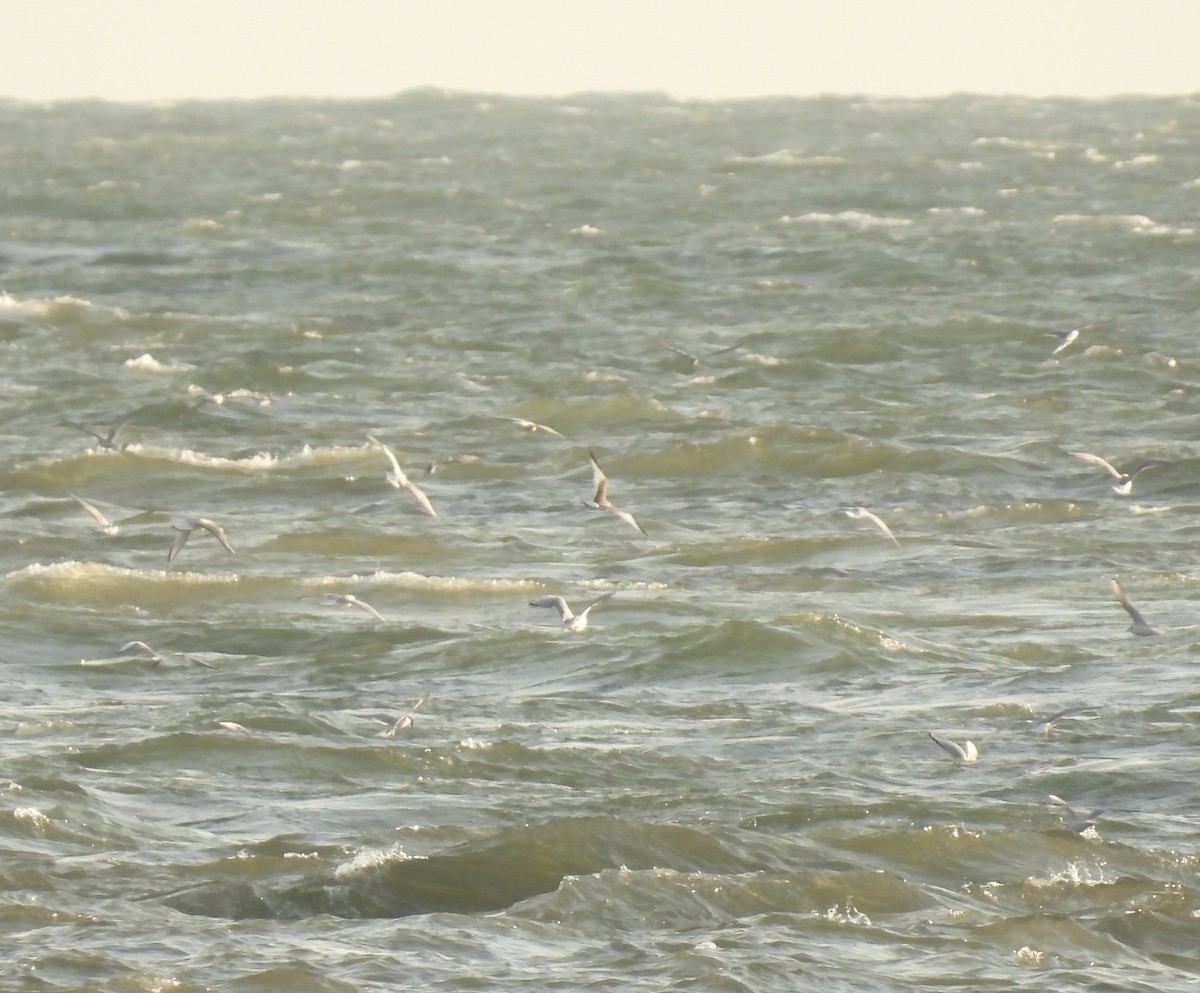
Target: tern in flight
(1124, 480)
(1045, 724)
(533, 427)
(601, 502)
(199, 524)
(105, 440)
(862, 514)
(570, 621)
(695, 360)
(103, 524)
(1072, 819)
(1139, 625)
(1065, 339)
(393, 724)
(395, 476)
(350, 600)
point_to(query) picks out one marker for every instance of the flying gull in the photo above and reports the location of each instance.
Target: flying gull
(1065, 339)
(1045, 724)
(966, 752)
(395, 476)
(570, 621)
(1124, 480)
(393, 724)
(105, 440)
(1072, 819)
(104, 525)
(533, 427)
(1139, 625)
(601, 502)
(695, 360)
(862, 514)
(350, 600)
(199, 524)
(134, 648)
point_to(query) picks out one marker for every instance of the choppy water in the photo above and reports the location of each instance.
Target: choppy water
(726, 782)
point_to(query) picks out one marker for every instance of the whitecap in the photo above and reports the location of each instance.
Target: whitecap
(148, 363)
(851, 218)
(367, 859)
(75, 570)
(33, 816)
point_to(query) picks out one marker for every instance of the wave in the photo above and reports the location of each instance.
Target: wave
(477, 877)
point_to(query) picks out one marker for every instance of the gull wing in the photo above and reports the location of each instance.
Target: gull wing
(628, 518)
(98, 517)
(1140, 626)
(363, 605)
(218, 532)
(600, 481)
(557, 602)
(1104, 464)
(966, 752)
(862, 513)
(417, 492)
(181, 538)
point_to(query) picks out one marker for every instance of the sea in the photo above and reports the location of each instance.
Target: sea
(346, 753)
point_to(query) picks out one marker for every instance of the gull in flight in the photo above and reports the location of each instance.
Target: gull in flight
(104, 525)
(393, 724)
(1045, 724)
(1072, 819)
(570, 621)
(1065, 339)
(533, 427)
(966, 752)
(105, 440)
(695, 360)
(199, 524)
(1139, 625)
(601, 502)
(1124, 480)
(350, 600)
(140, 648)
(862, 514)
(395, 476)
(132, 648)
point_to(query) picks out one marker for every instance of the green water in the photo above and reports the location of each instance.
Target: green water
(726, 782)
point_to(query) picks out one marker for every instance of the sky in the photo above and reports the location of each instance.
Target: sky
(149, 50)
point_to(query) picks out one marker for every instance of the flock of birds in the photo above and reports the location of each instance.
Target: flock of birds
(577, 621)
(571, 621)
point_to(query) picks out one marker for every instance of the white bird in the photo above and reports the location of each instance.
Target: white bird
(570, 621)
(393, 724)
(966, 752)
(1139, 625)
(199, 524)
(395, 476)
(533, 427)
(1045, 724)
(1124, 480)
(132, 648)
(140, 648)
(350, 600)
(862, 514)
(1072, 819)
(601, 502)
(105, 526)
(1065, 339)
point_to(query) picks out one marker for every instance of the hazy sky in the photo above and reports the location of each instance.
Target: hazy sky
(162, 49)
